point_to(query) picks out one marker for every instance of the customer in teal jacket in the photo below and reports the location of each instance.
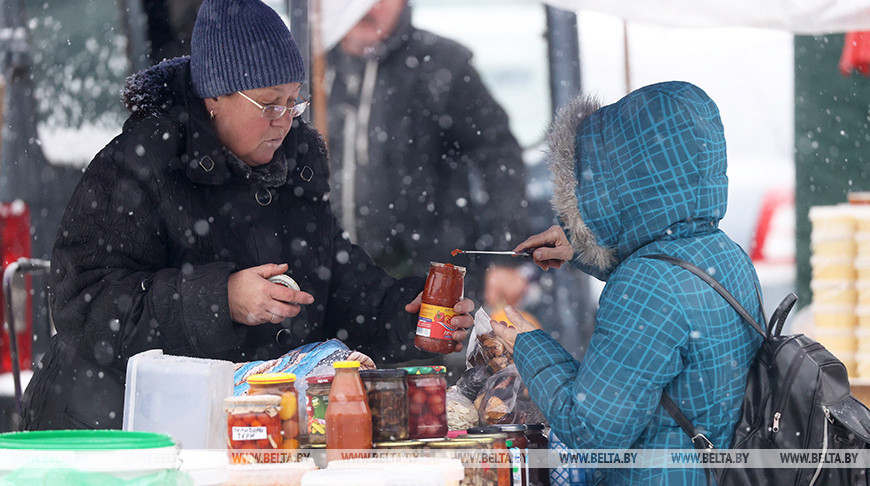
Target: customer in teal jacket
(641, 176)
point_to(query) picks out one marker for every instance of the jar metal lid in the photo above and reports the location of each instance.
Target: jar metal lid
(345, 364)
(425, 370)
(271, 378)
(400, 444)
(535, 427)
(319, 380)
(284, 280)
(384, 374)
(262, 400)
(511, 427)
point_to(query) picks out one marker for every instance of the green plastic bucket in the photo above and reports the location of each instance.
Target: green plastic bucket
(112, 453)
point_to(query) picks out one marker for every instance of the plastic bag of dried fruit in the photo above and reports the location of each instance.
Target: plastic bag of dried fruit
(504, 399)
(484, 347)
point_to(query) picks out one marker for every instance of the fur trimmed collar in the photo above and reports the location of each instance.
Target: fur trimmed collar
(561, 148)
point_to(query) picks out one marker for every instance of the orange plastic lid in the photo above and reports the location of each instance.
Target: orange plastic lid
(271, 378)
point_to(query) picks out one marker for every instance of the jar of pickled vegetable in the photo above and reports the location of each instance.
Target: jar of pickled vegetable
(427, 399)
(317, 399)
(444, 288)
(491, 438)
(253, 424)
(283, 385)
(387, 393)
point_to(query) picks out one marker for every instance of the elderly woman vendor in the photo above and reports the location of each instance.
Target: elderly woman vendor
(641, 176)
(213, 186)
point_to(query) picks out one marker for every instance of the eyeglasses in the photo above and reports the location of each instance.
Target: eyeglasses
(274, 112)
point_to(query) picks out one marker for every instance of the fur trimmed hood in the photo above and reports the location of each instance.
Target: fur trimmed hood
(650, 166)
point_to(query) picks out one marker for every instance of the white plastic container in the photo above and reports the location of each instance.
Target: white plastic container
(344, 477)
(179, 396)
(283, 474)
(409, 471)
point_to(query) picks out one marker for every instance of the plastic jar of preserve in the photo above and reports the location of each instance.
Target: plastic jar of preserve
(253, 424)
(317, 399)
(537, 440)
(283, 385)
(387, 392)
(427, 401)
(444, 289)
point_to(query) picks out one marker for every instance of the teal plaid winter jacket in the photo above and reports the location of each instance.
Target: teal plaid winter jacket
(646, 175)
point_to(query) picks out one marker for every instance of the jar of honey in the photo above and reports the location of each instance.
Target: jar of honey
(317, 399)
(348, 418)
(427, 402)
(388, 400)
(253, 424)
(444, 289)
(283, 385)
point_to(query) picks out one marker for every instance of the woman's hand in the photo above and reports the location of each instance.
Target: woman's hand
(508, 334)
(551, 248)
(462, 321)
(255, 300)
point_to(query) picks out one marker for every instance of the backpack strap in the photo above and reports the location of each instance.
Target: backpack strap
(699, 440)
(716, 286)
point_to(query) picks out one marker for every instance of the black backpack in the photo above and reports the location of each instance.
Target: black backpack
(797, 397)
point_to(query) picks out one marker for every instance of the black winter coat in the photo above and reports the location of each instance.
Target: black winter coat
(151, 235)
(430, 152)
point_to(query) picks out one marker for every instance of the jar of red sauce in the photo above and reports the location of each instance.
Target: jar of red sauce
(444, 289)
(517, 445)
(427, 402)
(348, 417)
(283, 385)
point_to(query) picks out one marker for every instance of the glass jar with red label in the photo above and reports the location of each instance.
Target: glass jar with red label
(444, 288)
(427, 402)
(253, 424)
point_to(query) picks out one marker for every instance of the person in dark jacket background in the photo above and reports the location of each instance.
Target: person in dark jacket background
(213, 186)
(423, 160)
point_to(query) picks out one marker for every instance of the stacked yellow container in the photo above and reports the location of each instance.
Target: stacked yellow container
(862, 284)
(833, 284)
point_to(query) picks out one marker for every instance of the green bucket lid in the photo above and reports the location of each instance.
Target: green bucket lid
(79, 440)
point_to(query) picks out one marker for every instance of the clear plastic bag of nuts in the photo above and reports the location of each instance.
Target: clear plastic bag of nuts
(484, 347)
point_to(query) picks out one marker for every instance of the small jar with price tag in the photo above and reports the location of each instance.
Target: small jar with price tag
(253, 424)
(317, 399)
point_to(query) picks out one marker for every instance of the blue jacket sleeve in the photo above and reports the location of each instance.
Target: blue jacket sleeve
(608, 399)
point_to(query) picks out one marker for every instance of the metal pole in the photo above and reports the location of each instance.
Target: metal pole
(563, 53)
(299, 26)
(22, 265)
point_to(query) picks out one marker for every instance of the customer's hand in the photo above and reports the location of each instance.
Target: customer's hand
(508, 334)
(551, 248)
(255, 300)
(461, 322)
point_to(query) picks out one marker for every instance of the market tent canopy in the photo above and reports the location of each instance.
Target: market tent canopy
(797, 16)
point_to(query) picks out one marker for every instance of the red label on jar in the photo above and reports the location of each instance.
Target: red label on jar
(434, 321)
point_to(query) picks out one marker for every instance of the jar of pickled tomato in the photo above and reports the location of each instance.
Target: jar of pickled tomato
(427, 399)
(253, 424)
(283, 385)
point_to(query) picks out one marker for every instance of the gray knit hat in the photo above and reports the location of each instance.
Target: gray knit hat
(239, 45)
